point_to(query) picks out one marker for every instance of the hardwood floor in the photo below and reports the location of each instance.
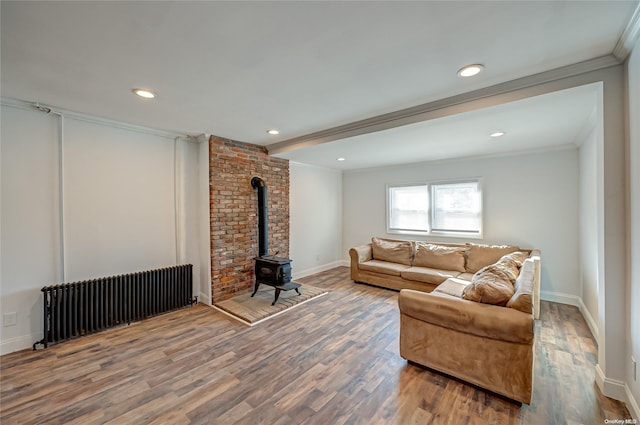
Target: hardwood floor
(332, 361)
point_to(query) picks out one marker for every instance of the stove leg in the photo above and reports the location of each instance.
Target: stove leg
(277, 295)
(298, 291)
(255, 289)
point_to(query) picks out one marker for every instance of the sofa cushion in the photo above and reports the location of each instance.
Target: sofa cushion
(517, 256)
(452, 286)
(439, 256)
(491, 285)
(428, 275)
(384, 267)
(522, 298)
(508, 264)
(393, 251)
(465, 276)
(479, 256)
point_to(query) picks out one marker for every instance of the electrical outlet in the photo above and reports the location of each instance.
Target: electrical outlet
(10, 319)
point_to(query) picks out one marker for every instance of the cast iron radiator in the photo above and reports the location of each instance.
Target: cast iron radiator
(81, 308)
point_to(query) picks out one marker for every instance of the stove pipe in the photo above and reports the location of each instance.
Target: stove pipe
(263, 236)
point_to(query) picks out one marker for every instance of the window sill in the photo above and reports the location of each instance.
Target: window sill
(454, 235)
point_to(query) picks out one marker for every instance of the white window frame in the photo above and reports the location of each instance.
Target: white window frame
(430, 210)
(389, 212)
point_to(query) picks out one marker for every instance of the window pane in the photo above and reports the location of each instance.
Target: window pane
(409, 208)
(457, 207)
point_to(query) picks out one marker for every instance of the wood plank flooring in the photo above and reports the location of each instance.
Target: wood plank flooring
(332, 361)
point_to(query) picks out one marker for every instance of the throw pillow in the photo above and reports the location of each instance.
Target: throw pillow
(394, 251)
(439, 257)
(479, 256)
(490, 286)
(509, 265)
(518, 257)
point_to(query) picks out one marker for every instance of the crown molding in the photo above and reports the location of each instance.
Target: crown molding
(201, 138)
(436, 108)
(629, 37)
(31, 106)
(455, 160)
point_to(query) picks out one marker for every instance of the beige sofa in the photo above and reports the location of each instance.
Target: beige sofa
(477, 324)
(400, 264)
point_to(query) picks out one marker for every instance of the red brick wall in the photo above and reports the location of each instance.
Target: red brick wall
(233, 206)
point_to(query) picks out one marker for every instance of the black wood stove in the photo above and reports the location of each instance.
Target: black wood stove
(269, 269)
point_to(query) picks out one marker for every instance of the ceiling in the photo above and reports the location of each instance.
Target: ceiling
(545, 122)
(236, 69)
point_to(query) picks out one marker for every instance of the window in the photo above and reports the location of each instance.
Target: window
(457, 207)
(447, 208)
(409, 208)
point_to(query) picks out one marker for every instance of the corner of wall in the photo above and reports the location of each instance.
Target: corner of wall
(611, 388)
(591, 322)
(574, 301)
(632, 403)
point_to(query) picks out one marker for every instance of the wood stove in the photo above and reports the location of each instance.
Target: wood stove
(269, 269)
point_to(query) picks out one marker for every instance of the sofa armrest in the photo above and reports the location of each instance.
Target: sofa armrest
(485, 320)
(535, 256)
(361, 254)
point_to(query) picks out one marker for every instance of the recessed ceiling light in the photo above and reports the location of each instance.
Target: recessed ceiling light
(273, 131)
(497, 134)
(470, 70)
(147, 94)
(340, 159)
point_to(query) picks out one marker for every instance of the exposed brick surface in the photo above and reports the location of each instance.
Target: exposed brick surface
(234, 212)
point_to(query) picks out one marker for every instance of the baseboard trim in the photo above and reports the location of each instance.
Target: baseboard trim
(611, 388)
(558, 297)
(18, 343)
(205, 298)
(318, 269)
(576, 301)
(632, 403)
(593, 325)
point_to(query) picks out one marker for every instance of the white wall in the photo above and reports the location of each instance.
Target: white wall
(119, 201)
(588, 219)
(30, 258)
(315, 198)
(633, 286)
(529, 200)
(204, 220)
(128, 205)
(612, 234)
(194, 214)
